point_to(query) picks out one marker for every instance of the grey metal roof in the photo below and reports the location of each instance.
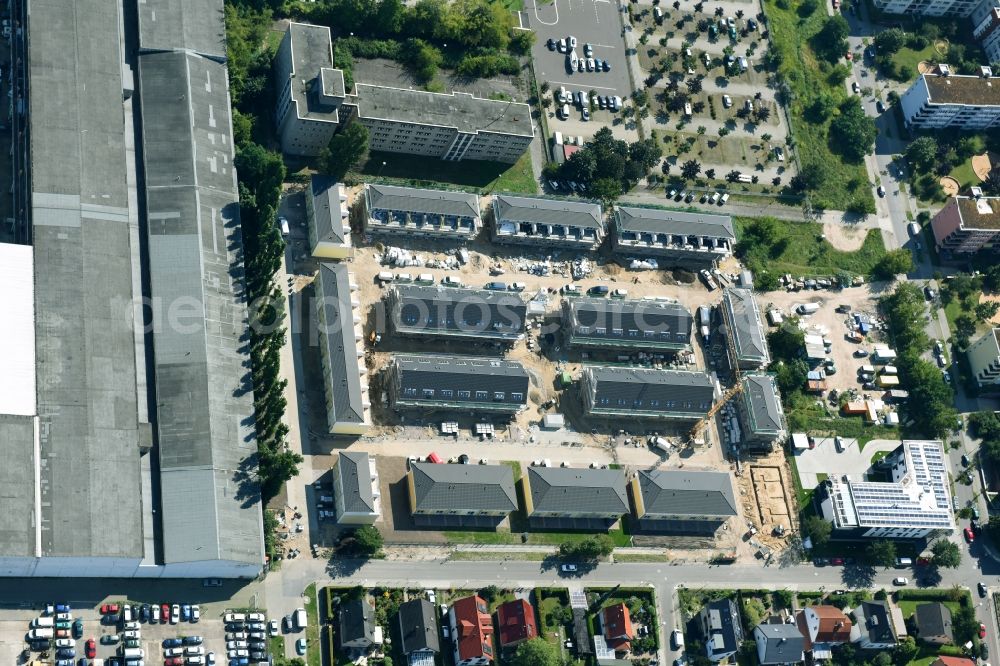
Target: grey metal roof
(783, 643)
(877, 621)
(421, 201)
(337, 322)
(357, 621)
(462, 111)
(678, 492)
(355, 473)
(205, 403)
(662, 221)
(462, 373)
(327, 221)
(542, 210)
(724, 626)
(312, 56)
(933, 619)
(463, 487)
(17, 486)
(85, 252)
(479, 313)
(577, 490)
(648, 390)
(640, 323)
(194, 25)
(763, 403)
(418, 627)
(743, 315)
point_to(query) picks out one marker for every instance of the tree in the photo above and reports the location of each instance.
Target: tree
(367, 540)
(986, 310)
(347, 148)
(922, 152)
(422, 59)
(817, 529)
(753, 611)
(965, 327)
(905, 316)
(790, 376)
(389, 16)
(905, 651)
(762, 113)
(490, 592)
(964, 624)
(831, 41)
(822, 106)
(889, 41)
(690, 170)
(694, 85)
(895, 262)
(853, 132)
(590, 549)
(946, 554)
(536, 652)
(809, 178)
(787, 342)
(882, 553)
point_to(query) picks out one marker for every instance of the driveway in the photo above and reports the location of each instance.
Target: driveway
(824, 459)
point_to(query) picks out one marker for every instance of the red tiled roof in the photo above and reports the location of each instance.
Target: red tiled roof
(569, 149)
(517, 622)
(953, 661)
(617, 627)
(474, 628)
(834, 626)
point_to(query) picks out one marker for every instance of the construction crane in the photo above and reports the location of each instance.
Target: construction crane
(727, 395)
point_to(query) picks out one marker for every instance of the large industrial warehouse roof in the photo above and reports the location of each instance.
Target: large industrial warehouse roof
(17, 335)
(165, 25)
(210, 511)
(85, 347)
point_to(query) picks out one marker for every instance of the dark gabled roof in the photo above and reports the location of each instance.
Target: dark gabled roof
(326, 206)
(687, 493)
(357, 620)
(648, 390)
(577, 490)
(463, 487)
(540, 210)
(639, 322)
(933, 620)
(418, 626)
(663, 221)
(743, 316)
(481, 313)
(354, 468)
(581, 634)
(462, 373)
(760, 394)
(422, 201)
(344, 381)
(724, 627)
(783, 643)
(877, 621)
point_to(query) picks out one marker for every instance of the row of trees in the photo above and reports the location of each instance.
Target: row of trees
(608, 166)
(965, 290)
(261, 173)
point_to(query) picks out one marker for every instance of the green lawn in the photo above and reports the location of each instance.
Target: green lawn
(313, 650)
(790, 35)
(907, 57)
(471, 175)
(909, 606)
(618, 536)
(964, 174)
(799, 249)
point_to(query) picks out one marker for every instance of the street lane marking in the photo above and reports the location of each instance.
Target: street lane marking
(564, 83)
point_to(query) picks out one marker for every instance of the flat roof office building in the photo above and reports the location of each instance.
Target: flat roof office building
(942, 99)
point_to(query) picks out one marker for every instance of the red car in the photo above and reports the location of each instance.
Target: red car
(969, 536)
(91, 648)
(110, 609)
(982, 631)
(849, 55)
(837, 561)
(164, 613)
(173, 661)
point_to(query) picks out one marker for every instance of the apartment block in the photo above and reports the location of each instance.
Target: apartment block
(692, 240)
(928, 7)
(761, 416)
(327, 219)
(310, 90)
(547, 222)
(743, 324)
(409, 211)
(446, 313)
(341, 351)
(646, 393)
(626, 325)
(968, 224)
(446, 495)
(466, 383)
(941, 99)
(356, 491)
(984, 360)
(574, 499)
(682, 501)
(986, 28)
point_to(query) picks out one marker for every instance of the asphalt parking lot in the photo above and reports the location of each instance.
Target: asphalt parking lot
(825, 459)
(591, 21)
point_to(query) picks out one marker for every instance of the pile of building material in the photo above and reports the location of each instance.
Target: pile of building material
(450, 263)
(581, 269)
(399, 257)
(643, 265)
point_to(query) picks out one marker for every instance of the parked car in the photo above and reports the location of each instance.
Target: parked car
(109, 639)
(175, 614)
(172, 642)
(164, 613)
(272, 627)
(900, 581)
(969, 536)
(192, 640)
(568, 568)
(300, 646)
(110, 609)
(195, 613)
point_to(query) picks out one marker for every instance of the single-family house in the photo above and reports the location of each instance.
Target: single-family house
(721, 629)
(779, 644)
(356, 625)
(516, 620)
(615, 625)
(471, 631)
(418, 630)
(824, 627)
(933, 624)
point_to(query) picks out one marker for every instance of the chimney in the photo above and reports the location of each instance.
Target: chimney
(985, 72)
(944, 69)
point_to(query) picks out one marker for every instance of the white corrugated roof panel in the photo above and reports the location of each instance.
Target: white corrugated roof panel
(17, 335)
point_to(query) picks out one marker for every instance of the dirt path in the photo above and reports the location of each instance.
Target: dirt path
(845, 237)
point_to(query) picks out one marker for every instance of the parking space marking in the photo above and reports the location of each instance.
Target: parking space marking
(564, 83)
(538, 18)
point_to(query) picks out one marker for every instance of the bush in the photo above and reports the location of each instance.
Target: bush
(485, 66)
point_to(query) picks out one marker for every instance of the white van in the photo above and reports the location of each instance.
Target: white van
(299, 618)
(564, 111)
(724, 199)
(283, 224)
(42, 622)
(40, 633)
(677, 638)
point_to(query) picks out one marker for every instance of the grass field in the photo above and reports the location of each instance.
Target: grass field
(907, 57)
(964, 174)
(313, 649)
(618, 536)
(470, 175)
(843, 182)
(799, 249)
